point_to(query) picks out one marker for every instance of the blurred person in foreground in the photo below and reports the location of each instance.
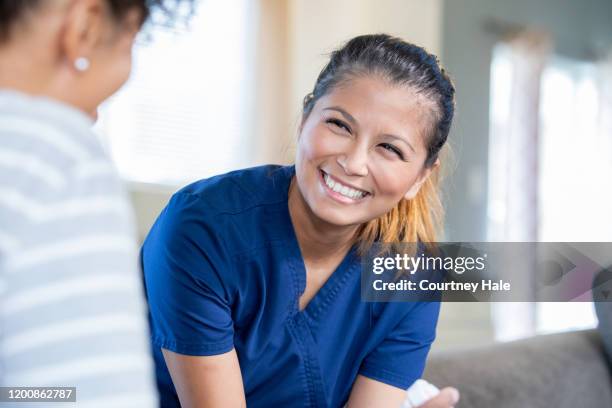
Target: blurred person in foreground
(71, 301)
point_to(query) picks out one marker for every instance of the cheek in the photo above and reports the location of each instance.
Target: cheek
(115, 76)
(114, 72)
(319, 143)
(122, 59)
(124, 65)
(393, 180)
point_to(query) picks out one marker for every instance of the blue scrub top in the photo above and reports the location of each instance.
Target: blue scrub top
(223, 270)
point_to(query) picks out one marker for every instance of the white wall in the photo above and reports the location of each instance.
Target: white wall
(148, 202)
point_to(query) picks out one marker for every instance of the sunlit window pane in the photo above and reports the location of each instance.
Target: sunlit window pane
(184, 113)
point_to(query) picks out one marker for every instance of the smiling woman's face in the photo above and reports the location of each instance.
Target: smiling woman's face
(361, 150)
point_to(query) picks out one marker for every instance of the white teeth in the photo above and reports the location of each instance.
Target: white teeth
(342, 189)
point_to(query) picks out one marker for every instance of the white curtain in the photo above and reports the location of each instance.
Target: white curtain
(576, 164)
(604, 82)
(513, 165)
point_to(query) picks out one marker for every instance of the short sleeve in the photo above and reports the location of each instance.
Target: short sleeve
(186, 279)
(399, 359)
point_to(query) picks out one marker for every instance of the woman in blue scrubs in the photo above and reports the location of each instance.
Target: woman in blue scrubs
(253, 277)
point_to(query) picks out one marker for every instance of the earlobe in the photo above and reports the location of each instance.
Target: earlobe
(410, 194)
(81, 64)
(82, 31)
(413, 191)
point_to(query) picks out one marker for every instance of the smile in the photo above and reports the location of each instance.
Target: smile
(340, 191)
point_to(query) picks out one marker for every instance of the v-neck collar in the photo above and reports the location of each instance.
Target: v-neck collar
(325, 295)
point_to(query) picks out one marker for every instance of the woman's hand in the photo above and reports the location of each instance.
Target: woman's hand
(447, 398)
(207, 381)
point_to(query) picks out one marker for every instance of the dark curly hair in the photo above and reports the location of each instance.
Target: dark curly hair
(400, 62)
(13, 10)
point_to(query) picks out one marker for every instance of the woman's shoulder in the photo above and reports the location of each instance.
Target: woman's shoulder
(236, 211)
(55, 126)
(240, 190)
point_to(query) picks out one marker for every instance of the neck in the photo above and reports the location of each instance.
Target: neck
(20, 74)
(319, 240)
(30, 68)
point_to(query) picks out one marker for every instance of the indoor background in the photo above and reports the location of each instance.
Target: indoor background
(531, 144)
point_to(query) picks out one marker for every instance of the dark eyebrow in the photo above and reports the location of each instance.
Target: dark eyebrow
(344, 113)
(400, 139)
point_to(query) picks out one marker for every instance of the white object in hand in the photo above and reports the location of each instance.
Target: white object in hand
(419, 393)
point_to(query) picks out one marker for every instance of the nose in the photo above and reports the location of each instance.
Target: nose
(355, 161)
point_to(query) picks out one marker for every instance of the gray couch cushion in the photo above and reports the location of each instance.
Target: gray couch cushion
(602, 294)
(566, 370)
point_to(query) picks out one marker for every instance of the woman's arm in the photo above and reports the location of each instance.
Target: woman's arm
(367, 392)
(371, 393)
(206, 381)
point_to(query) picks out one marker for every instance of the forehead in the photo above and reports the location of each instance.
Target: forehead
(374, 101)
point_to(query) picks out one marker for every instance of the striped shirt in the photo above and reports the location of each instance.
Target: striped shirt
(72, 309)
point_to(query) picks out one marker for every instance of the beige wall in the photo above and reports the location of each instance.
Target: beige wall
(316, 27)
(272, 119)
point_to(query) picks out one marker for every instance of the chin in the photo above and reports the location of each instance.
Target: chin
(338, 217)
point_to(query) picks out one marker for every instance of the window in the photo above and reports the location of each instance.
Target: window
(574, 166)
(575, 170)
(575, 155)
(185, 112)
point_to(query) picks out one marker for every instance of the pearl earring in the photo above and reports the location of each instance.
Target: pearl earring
(81, 64)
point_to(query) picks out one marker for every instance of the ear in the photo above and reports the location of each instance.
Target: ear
(83, 29)
(412, 192)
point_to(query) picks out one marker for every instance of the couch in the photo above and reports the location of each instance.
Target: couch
(566, 370)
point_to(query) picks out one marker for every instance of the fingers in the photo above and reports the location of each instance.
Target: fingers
(447, 398)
